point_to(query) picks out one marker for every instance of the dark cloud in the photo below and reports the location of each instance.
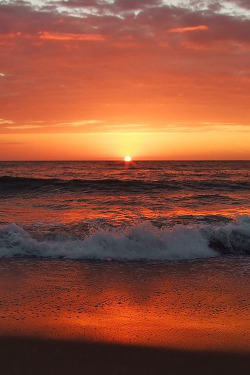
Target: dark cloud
(136, 4)
(242, 3)
(116, 5)
(153, 19)
(79, 3)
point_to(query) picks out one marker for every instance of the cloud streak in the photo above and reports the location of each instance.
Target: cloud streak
(188, 29)
(66, 37)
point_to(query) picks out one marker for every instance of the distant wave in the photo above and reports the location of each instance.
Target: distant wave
(134, 243)
(12, 185)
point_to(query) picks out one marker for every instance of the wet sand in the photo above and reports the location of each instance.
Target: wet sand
(65, 317)
(21, 356)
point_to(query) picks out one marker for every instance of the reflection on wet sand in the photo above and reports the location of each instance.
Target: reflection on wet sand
(186, 305)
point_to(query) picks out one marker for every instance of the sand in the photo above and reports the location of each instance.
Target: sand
(60, 317)
(20, 356)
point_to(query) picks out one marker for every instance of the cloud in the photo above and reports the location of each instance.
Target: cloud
(188, 29)
(116, 5)
(3, 121)
(125, 62)
(43, 126)
(136, 4)
(80, 123)
(241, 3)
(66, 36)
(79, 3)
(23, 127)
(108, 20)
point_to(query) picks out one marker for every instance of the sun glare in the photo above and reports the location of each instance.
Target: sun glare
(127, 158)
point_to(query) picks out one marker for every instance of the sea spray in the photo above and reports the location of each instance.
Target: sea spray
(139, 242)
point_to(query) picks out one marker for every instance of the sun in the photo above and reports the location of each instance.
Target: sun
(127, 158)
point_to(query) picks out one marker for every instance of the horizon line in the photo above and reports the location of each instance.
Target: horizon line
(117, 160)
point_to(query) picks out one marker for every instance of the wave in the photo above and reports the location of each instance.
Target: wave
(135, 243)
(9, 184)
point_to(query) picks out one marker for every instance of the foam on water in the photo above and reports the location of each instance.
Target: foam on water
(142, 242)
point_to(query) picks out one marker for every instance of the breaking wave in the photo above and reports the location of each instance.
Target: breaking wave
(135, 243)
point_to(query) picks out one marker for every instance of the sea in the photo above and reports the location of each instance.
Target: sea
(125, 211)
(151, 253)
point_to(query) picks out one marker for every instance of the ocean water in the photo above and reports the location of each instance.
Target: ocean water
(148, 211)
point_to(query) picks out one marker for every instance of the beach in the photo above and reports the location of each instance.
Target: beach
(63, 317)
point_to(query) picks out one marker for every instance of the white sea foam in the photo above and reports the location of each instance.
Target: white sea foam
(135, 243)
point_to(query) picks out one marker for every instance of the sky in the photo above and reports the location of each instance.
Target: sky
(102, 79)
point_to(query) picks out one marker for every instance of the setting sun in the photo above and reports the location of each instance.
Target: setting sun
(127, 158)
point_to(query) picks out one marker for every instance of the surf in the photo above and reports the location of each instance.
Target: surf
(142, 242)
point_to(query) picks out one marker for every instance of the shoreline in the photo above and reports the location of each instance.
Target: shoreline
(69, 318)
(180, 305)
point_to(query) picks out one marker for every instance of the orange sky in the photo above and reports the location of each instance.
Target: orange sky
(99, 79)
